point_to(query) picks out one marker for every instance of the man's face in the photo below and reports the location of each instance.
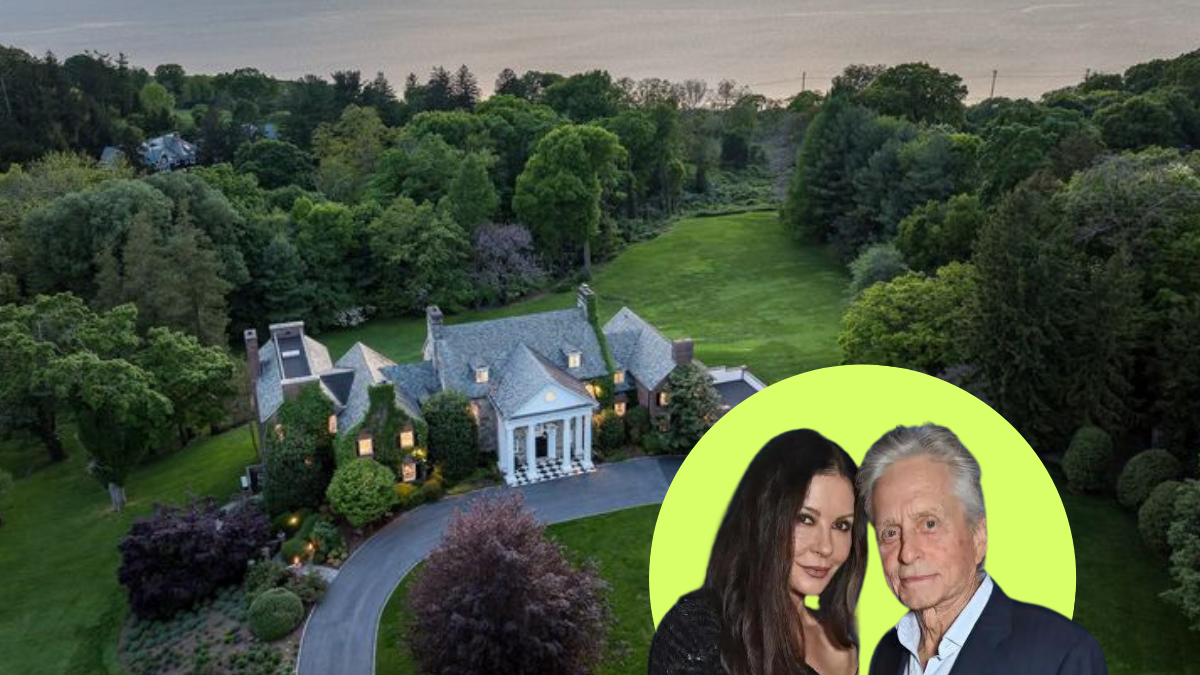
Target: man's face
(929, 551)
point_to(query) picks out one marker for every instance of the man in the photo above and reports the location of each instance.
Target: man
(922, 493)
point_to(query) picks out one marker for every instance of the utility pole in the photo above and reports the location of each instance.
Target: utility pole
(1086, 74)
(992, 94)
(803, 81)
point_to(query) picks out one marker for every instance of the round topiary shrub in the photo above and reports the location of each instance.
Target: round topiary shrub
(1142, 473)
(1088, 460)
(1156, 515)
(275, 614)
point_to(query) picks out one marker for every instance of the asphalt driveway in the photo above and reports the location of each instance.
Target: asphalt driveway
(339, 637)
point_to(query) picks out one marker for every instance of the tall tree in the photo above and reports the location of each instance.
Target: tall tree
(464, 91)
(912, 321)
(421, 257)
(558, 195)
(585, 97)
(196, 379)
(917, 92)
(471, 193)
(1053, 331)
(692, 406)
(119, 414)
(348, 152)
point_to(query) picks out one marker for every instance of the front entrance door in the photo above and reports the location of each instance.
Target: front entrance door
(541, 445)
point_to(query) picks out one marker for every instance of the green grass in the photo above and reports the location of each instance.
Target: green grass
(736, 284)
(1117, 593)
(61, 607)
(619, 542)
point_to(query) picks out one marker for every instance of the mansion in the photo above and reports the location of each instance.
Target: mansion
(534, 380)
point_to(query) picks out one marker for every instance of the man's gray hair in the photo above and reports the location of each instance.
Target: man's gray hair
(931, 441)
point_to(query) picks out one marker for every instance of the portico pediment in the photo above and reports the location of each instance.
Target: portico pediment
(552, 398)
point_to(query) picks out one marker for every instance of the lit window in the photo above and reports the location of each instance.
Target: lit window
(408, 469)
(663, 398)
(591, 389)
(573, 360)
(481, 375)
(366, 448)
(279, 432)
(619, 407)
(407, 439)
(332, 424)
(619, 377)
(474, 411)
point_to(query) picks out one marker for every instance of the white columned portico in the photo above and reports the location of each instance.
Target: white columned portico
(530, 452)
(587, 441)
(568, 443)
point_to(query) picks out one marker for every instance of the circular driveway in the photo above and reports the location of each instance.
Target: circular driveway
(339, 636)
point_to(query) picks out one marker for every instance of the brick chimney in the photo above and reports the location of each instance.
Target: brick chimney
(252, 363)
(682, 351)
(585, 298)
(433, 322)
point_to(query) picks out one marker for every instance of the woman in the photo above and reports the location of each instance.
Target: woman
(793, 529)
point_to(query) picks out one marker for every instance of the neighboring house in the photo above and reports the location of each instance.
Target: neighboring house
(532, 379)
(167, 152)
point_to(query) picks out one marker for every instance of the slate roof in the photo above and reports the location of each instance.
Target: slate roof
(270, 393)
(366, 366)
(525, 374)
(734, 392)
(639, 348)
(493, 342)
(414, 383)
(167, 151)
(339, 383)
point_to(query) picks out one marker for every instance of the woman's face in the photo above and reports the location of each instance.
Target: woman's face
(821, 537)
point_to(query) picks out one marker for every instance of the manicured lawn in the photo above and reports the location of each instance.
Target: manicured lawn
(61, 607)
(736, 284)
(619, 542)
(1117, 593)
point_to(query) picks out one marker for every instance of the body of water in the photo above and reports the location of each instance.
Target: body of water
(774, 46)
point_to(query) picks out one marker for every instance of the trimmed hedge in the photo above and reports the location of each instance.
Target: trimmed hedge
(1143, 473)
(1157, 514)
(275, 614)
(1089, 460)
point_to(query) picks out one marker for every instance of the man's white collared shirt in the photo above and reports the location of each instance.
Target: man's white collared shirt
(909, 633)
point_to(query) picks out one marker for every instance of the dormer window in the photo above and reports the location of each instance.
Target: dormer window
(619, 377)
(481, 374)
(663, 398)
(574, 356)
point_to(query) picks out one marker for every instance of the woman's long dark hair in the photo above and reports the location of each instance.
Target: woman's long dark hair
(751, 561)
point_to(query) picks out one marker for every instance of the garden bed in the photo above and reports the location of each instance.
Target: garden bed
(209, 639)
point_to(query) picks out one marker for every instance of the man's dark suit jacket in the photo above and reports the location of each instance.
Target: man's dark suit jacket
(1010, 637)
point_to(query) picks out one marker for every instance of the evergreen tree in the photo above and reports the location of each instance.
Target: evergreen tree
(471, 192)
(283, 283)
(1053, 331)
(198, 287)
(464, 91)
(692, 406)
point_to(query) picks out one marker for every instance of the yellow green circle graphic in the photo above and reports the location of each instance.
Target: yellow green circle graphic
(1030, 554)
